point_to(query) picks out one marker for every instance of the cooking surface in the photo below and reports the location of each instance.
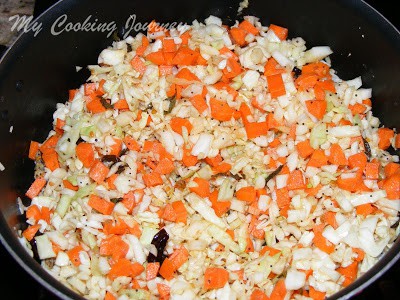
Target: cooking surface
(16, 284)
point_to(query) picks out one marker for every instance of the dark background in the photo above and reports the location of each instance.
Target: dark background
(16, 284)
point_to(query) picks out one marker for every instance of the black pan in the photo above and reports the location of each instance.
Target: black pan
(38, 70)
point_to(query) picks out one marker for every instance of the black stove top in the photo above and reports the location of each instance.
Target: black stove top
(16, 284)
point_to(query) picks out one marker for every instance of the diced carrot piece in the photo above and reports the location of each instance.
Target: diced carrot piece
(163, 291)
(385, 136)
(329, 217)
(336, 156)
(233, 68)
(295, 181)
(33, 212)
(371, 170)
(318, 159)
(320, 241)
(113, 246)
(199, 102)
(98, 172)
(358, 160)
(33, 150)
(220, 110)
(271, 251)
(188, 159)
(248, 27)
(220, 207)
(392, 186)
(109, 296)
(179, 257)
(95, 106)
(357, 109)
(71, 94)
(397, 141)
(282, 197)
(177, 124)
(247, 194)
(215, 278)
(167, 269)
(304, 148)
(152, 270)
(349, 273)
(85, 153)
(202, 189)
(185, 57)
(152, 179)
(316, 295)
(168, 45)
(366, 209)
(180, 211)
(156, 57)
(279, 291)
(36, 187)
(276, 86)
(306, 81)
(73, 255)
(101, 205)
(131, 143)
(165, 166)
(138, 65)
(280, 32)
(31, 231)
(391, 168)
(317, 108)
(238, 36)
(352, 184)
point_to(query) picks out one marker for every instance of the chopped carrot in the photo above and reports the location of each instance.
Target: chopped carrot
(177, 124)
(116, 148)
(385, 136)
(214, 161)
(352, 184)
(233, 68)
(163, 291)
(220, 207)
(221, 168)
(215, 278)
(36, 187)
(168, 45)
(85, 153)
(101, 205)
(306, 81)
(336, 156)
(247, 194)
(317, 108)
(110, 181)
(179, 257)
(360, 254)
(70, 186)
(138, 64)
(282, 197)
(392, 186)
(349, 273)
(256, 233)
(50, 144)
(165, 166)
(320, 241)
(185, 57)
(313, 190)
(318, 159)
(95, 106)
(31, 231)
(320, 69)
(45, 214)
(71, 94)
(199, 102)
(180, 211)
(295, 181)
(73, 255)
(185, 73)
(220, 110)
(33, 212)
(271, 251)
(357, 109)
(50, 158)
(113, 246)
(316, 295)
(167, 269)
(272, 67)
(142, 48)
(391, 168)
(397, 141)
(33, 150)
(131, 143)
(238, 36)
(109, 296)
(280, 32)
(124, 267)
(329, 217)
(276, 86)
(188, 159)
(118, 227)
(366, 209)
(248, 27)
(152, 179)
(358, 160)
(152, 270)
(98, 172)
(156, 57)
(279, 291)
(255, 129)
(202, 189)
(304, 148)
(371, 170)
(249, 245)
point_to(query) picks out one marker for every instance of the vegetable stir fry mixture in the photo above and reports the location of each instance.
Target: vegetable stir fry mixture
(213, 162)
